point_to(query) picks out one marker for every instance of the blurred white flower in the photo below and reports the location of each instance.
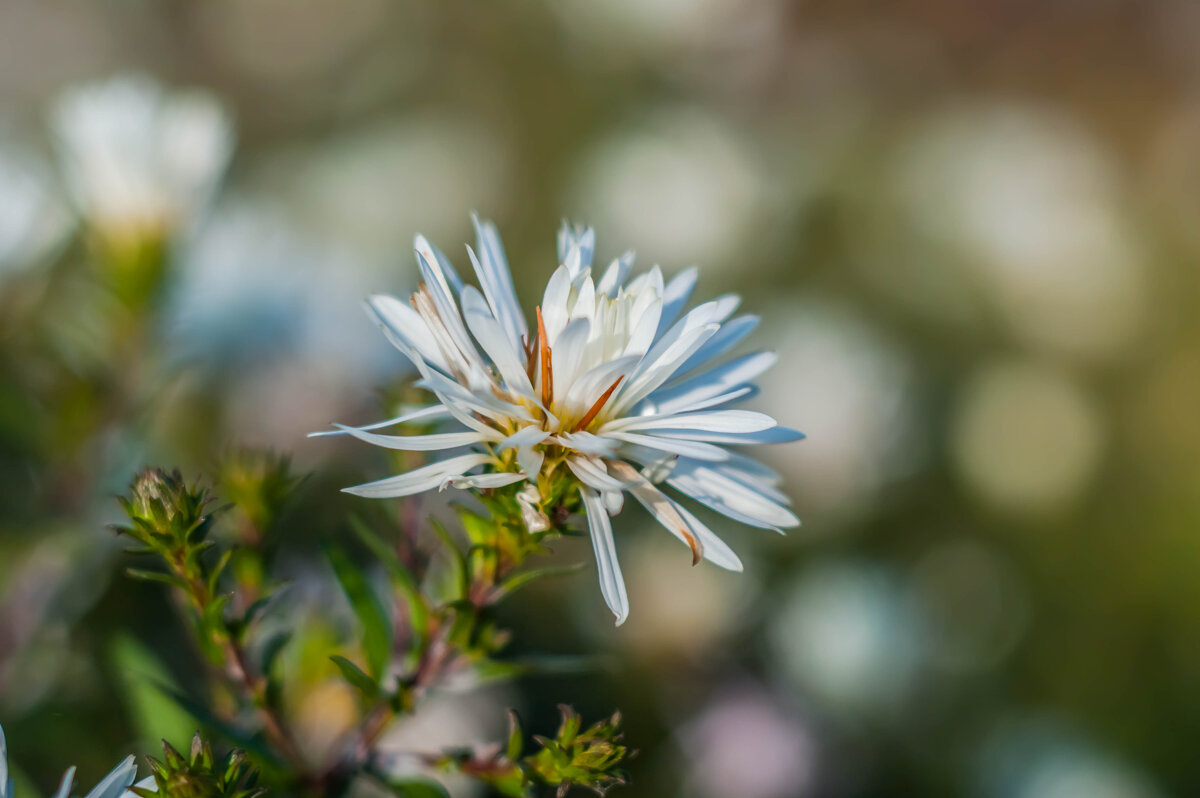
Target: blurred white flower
(680, 186)
(346, 188)
(854, 389)
(111, 786)
(1032, 202)
(614, 393)
(1025, 436)
(849, 634)
(33, 218)
(253, 285)
(658, 27)
(141, 161)
(746, 743)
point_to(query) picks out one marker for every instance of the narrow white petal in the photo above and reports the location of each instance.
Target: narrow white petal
(675, 296)
(659, 364)
(716, 551)
(495, 341)
(777, 434)
(612, 583)
(530, 460)
(714, 381)
(586, 442)
(614, 500)
(496, 480)
(64, 786)
(116, 781)
(735, 421)
(431, 413)
(526, 436)
(405, 324)
(663, 509)
(443, 300)
(554, 303)
(729, 497)
(420, 479)
(730, 335)
(687, 448)
(420, 443)
(592, 473)
(567, 355)
(496, 279)
(614, 276)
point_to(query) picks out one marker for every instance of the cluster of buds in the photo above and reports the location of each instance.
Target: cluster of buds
(575, 757)
(199, 775)
(167, 516)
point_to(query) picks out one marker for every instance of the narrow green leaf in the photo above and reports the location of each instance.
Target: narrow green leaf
(155, 716)
(152, 576)
(480, 531)
(376, 628)
(404, 582)
(458, 563)
(411, 786)
(515, 583)
(357, 679)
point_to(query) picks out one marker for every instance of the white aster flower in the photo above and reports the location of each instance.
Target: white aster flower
(614, 390)
(140, 160)
(114, 785)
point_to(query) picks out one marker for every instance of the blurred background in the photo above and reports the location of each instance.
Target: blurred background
(972, 231)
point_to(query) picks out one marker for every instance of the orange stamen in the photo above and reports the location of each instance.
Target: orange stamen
(595, 409)
(547, 368)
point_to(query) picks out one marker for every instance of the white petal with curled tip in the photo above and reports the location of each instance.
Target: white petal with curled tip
(421, 479)
(612, 583)
(115, 783)
(420, 443)
(716, 551)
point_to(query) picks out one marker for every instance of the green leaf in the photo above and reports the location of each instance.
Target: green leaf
(458, 563)
(410, 786)
(515, 583)
(359, 680)
(152, 576)
(480, 531)
(155, 716)
(248, 741)
(403, 580)
(376, 628)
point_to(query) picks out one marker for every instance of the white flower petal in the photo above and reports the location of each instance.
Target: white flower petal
(592, 472)
(777, 434)
(64, 786)
(431, 413)
(419, 480)
(526, 436)
(120, 777)
(496, 480)
(420, 443)
(729, 497)
(675, 296)
(730, 335)
(496, 280)
(615, 275)
(495, 342)
(729, 421)
(407, 325)
(686, 448)
(712, 382)
(612, 583)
